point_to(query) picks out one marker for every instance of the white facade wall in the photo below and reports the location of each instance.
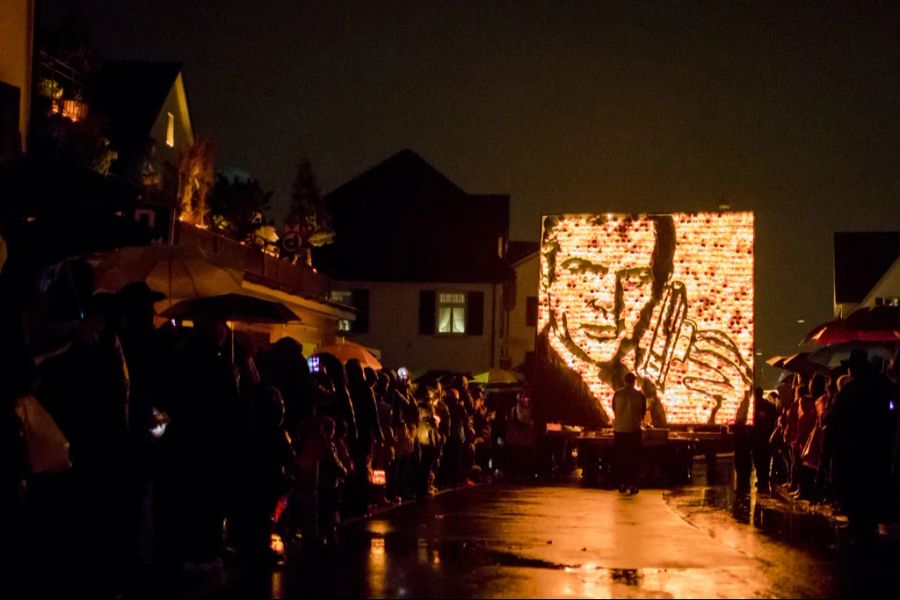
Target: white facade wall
(887, 290)
(394, 328)
(521, 335)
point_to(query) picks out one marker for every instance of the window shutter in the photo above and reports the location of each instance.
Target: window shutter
(475, 313)
(360, 299)
(426, 312)
(531, 311)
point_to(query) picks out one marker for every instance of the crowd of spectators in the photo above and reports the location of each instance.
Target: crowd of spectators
(189, 448)
(833, 439)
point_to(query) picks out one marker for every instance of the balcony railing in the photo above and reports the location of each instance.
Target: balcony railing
(268, 270)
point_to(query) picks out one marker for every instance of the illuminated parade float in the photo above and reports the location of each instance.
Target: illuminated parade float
(668, 297)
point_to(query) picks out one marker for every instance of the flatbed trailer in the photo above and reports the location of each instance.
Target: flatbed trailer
(666, 459)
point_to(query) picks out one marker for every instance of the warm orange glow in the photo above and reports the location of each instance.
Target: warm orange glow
(74, 109)
(276, 544)
(686, 327)
(170, 130)
(378, 477)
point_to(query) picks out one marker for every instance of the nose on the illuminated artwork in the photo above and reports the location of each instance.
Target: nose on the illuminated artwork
(598, 305)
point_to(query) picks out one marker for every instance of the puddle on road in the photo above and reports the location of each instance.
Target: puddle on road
(767, 514)
(464, 553)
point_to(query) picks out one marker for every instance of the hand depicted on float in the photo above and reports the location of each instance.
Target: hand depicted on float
(715, 368)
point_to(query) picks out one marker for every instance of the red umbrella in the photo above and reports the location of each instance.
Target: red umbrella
(865, 324)
(345, 350)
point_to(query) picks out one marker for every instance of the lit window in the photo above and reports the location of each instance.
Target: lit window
(341, 296)
(170, 130)
(451, 312)
(343, 325)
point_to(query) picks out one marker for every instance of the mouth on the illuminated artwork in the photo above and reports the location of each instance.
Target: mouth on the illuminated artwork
(600, 332)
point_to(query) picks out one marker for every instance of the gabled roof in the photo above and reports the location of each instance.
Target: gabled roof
(403, 220)
(888, 285)
(130, 94)
(404, 172)
(861, 258)
(520, 250)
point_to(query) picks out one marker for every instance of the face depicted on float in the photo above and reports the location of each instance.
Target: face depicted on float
(597, 290)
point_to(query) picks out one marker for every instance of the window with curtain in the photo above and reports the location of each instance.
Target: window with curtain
(342, 296)
(451, 312)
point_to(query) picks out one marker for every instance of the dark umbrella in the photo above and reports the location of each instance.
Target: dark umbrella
(232, 307)
(832, 356)
(797, 363)
(865, 324)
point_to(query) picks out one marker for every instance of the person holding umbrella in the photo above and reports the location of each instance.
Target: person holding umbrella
(205, 414)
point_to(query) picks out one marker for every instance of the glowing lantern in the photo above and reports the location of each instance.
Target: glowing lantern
(377, 477)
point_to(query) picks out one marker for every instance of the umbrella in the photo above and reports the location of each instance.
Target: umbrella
(178, 271)
(345, 350)
(797, 363)
(776, 361)
(832, 356)
(498, 376)
(232, 307)
(865, 324)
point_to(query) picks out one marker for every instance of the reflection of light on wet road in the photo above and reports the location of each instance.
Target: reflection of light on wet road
(377, 548)
(380, 528)
(426, 553)
(504, 541)
(277, 584)
(377, 566)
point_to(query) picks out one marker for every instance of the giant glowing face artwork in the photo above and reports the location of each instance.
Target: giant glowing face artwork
(597, 291)
(669, 297)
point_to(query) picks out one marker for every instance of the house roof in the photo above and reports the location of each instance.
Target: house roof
(130, 94)
(403, 220)
(519, 250)
(404, 172)
(861, 258)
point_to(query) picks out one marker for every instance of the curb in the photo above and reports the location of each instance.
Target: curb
(379, 510)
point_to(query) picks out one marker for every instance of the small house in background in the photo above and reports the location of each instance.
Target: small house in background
(145, 110)
(524, 257)
(866, 270)
(423, 263)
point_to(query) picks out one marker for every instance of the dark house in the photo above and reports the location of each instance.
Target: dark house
(145, 113)
(423, 263)
(865, 270)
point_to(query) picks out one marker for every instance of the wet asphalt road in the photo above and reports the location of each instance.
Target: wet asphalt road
(508, 540)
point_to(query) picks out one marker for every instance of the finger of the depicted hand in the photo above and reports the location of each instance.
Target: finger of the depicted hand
(720, 353)
(714, 367)
(710, 387)
(719, 337)
(702, 390)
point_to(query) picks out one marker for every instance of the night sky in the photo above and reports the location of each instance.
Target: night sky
(790, 111)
